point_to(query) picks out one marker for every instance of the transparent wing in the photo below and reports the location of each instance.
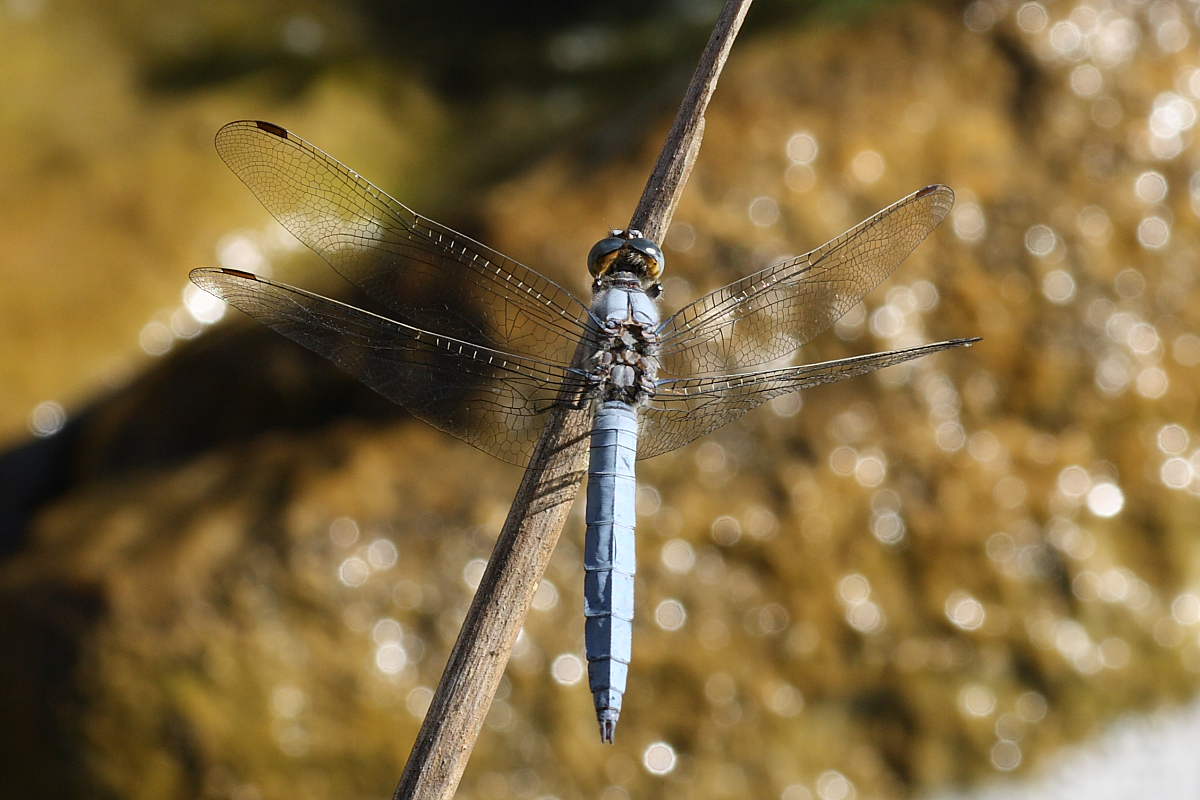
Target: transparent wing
(773, 312)
(420, 272)
(495, 401)
(686, 408)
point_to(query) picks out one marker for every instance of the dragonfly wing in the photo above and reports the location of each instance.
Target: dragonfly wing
(686, 408)
(773, 312)
(420, 272)
(492, 400)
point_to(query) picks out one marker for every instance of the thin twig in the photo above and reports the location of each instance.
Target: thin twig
(498, 611)
(670, 175)
(547, 490)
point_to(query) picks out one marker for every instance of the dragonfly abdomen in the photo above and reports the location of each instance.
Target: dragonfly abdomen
(609, 560)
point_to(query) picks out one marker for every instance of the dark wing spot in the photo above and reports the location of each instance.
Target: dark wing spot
(237, 273)
(927, 190)
(271, 127)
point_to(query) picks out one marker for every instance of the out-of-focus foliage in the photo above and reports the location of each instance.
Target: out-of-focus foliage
(250, 574)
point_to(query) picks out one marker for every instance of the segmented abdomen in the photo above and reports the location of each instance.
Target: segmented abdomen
(609, 561)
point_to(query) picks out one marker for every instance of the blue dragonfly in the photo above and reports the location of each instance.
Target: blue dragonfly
(484, 348)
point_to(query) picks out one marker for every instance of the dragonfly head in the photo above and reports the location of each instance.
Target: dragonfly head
(628, 251)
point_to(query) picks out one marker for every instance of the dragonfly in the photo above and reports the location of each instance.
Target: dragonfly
(484, 348)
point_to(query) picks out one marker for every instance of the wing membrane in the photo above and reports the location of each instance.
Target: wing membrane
(492, 400)
(773, 312)
(420, 272)
(686, 408)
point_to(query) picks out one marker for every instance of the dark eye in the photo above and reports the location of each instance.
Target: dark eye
(602, 253)
(650, 249)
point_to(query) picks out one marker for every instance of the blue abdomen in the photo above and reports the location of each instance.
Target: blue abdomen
(609, 561)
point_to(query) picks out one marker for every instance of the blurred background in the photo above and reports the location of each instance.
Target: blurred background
(230, 571)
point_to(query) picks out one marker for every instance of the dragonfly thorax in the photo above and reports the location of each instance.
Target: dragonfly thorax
(624, 366)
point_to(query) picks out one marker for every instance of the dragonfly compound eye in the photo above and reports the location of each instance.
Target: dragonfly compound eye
(602, 255)
(627, 251)
(656, 262)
